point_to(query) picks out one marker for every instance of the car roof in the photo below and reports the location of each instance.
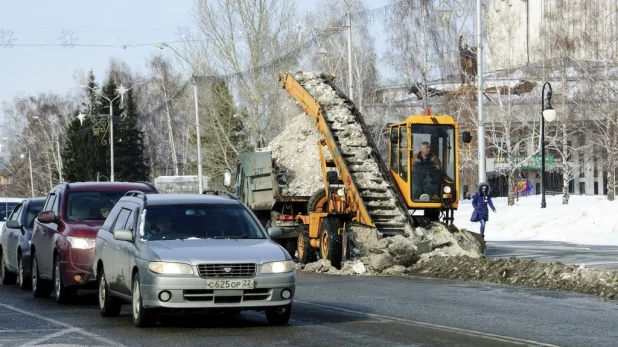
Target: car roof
(39, 199)
(167, 199)
(11, 200)
(110, 186)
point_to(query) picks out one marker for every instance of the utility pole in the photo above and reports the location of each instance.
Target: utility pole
(479, 78)
(350, 74)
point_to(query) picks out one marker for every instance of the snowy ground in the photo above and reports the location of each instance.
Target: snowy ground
(587, 220)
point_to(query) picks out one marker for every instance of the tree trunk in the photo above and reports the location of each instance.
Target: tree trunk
(511, 185)
(565, 190)
(611, 177)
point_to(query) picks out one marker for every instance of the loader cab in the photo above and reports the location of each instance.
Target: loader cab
(423, 162)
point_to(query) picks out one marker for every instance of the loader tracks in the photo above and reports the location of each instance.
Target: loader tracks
(360, 154)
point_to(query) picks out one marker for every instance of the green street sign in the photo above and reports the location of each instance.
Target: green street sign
(533, 163)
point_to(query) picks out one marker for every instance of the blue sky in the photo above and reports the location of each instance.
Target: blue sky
(36, 37)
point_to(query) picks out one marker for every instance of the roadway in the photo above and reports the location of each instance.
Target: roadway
(336, 311)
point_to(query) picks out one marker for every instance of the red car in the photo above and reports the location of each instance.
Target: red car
(64, 234)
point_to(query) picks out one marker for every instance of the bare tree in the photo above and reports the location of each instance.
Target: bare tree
(329, 33)
(248, 41)
(33, 128)
(163, 84)
(422, 46)
(579, 38)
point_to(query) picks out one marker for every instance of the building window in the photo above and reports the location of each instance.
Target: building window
(582, 188)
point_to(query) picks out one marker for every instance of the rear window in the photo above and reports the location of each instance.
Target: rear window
(91, 205)
(199, 221)
(5, 209)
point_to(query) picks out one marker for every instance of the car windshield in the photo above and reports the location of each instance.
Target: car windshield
(88, 205)
(5, 209)
(199, 221)
(34, 207)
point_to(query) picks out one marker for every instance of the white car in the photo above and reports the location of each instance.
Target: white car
(6, 207)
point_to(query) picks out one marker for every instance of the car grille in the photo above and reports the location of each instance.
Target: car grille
(256, 294)
(226, 270)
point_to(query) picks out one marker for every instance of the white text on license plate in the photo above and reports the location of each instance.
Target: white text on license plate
(229, 284)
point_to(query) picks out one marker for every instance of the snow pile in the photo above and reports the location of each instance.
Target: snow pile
(396, 255)
(297, 162)
(522, 272)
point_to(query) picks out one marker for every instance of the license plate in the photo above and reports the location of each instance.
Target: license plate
(289, 223)
(229, 284)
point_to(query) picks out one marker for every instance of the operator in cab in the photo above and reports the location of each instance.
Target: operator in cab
(425, 173)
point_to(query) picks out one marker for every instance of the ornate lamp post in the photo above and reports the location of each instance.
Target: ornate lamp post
(548, 114)
(121, 91)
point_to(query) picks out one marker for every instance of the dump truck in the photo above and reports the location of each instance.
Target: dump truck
(180, 184)
(257, 187)
(359, 187)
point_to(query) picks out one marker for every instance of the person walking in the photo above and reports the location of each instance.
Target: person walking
(480, 200)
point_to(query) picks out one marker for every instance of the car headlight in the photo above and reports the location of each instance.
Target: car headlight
(277, 267)
(446, 189)
(81, 242)
(170, 268)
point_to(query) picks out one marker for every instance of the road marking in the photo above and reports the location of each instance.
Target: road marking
(50, 336)
(69, 329)
(432, 326)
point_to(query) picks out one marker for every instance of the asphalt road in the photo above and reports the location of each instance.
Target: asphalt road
(603, 257)
(336, 311)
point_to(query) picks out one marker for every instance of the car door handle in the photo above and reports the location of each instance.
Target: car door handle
(118, 248)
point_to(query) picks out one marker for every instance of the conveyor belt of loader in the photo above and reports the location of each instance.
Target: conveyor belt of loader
(353, 144)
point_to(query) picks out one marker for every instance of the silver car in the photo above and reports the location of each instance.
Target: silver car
(168, 251)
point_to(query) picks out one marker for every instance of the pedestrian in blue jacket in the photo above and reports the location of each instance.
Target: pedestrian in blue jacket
(480, 200)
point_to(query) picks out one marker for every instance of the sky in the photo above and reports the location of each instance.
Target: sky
(586, 220)
(40, 40)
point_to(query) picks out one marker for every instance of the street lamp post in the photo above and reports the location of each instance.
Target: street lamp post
(31, 176)
(197, 118)
(121, 91)
(548, 114)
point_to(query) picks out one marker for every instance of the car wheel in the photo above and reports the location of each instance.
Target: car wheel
(279, 315)
(22, 279)
(306, 254)
(63, 294)
(331, 247)
(8, 278)
(142, 317)
(40, 288)
(109, 306)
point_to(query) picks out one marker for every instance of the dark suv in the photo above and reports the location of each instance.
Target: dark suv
(64, 235)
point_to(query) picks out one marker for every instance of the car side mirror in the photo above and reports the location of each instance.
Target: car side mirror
(47, 217)
(123, 235)
(13, 224)
(466, 137)
(274, 232)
